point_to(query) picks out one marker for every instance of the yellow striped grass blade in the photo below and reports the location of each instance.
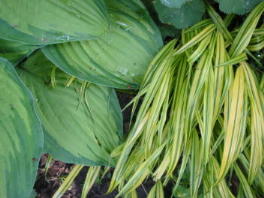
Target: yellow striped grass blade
(136, 158)
(259, 182)
(198, 26)
(228, 19)
(215, 90)
(200, 49)
(176, 124)
(220, 24)
(156, 191)
(207, 125)
(198, 82)
(222, 187)
(235, 122)
(158, 110)
(178, 115)
(91, 176)
(223, 75)
(262, 83)
(257, 41)
(196, 165)
(148, 119)
(233, 61)
(184, 162)
(196, 39)
(132, 194)
(140, 173)
(152, 78)
(53, 77)
(257, 122)
(164, 160)
(220, 190)
(245, 33)
(68, 181)
(243, 181)
(120, 166)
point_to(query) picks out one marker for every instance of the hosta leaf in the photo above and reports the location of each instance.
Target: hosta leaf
(174, 3)
(15, 51)
(190, 13)
(52, 21)
(82, 122)
(237, 6)
(21, 135)
(120, 57)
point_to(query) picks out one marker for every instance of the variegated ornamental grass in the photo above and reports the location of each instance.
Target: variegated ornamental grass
(201, 121)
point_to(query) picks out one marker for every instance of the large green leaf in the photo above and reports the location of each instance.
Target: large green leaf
(14, 51)
(52, 21)
(185, 16)
(120, 57)
(174, 3)
(237, 6)
(82, 122)
(21, 135)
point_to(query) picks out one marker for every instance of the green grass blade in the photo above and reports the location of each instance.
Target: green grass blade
(245, 185)
(233, 61)
(133, 194)
(257, 122)
(220, 24)
(178, 115)
(196, 165)
(259, 182)
(141, 173)
(196, 39)
(200, 49)
(68, 181)
(156, 191)
(235, 122)
(245, 33)
(92, 175)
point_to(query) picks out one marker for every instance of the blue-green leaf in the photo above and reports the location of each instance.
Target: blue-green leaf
(237, 6)
(82, 122)
(52, 21)
(185, 16)
(174, 3)
(21, 135)
(15, 51)
(120, 57)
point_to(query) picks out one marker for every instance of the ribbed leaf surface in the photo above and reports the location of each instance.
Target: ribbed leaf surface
(15, 51)
(21, 136)
(118, 58)
(82, 122)
(52, 21)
